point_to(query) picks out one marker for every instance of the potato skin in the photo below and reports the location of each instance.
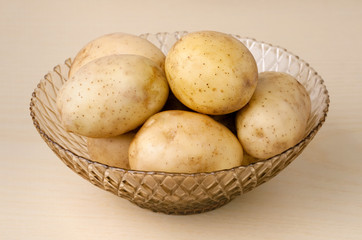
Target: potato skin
(276, 117)
(184, 142)
(116, 43)
(112, 95)
(211, 72)
(112, 151)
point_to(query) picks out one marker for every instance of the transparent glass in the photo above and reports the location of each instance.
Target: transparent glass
(176, 193)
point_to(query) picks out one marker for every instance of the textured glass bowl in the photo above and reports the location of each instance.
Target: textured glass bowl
(176, 193)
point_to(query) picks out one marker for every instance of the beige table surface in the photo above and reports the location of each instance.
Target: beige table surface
(319, 196)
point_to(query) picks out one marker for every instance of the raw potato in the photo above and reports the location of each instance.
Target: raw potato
(111, 151)
(112, 95)
(117, 43)
(275, 118)
(211, 72)
(184, 142)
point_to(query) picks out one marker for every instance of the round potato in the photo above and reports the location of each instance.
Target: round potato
(117, 43)
(111, 151)
(211, 72)
(184, 142)
(112, 95)
(275, 118)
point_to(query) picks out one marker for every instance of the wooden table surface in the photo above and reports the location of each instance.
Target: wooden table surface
(319, 196)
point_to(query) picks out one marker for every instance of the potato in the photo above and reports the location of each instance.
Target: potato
(211, 72)
(275, 118)
(112, 151)
(184, 142)
(117, 43)
(112, 95)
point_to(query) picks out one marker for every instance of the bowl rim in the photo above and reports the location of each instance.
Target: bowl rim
(308, 137)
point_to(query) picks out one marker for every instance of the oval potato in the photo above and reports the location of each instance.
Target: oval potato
(112, 95)
(116, 43)
(184, 142)
(211, 72)
(276, 117)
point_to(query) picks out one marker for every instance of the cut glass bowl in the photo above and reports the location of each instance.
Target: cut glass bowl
(177, 193)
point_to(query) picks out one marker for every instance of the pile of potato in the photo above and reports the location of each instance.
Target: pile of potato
(201, 108)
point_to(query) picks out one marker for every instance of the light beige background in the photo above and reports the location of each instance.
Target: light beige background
(319, 196)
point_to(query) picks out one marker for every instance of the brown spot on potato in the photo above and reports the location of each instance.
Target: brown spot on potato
(215, 152)
(170, 135)
(259, 132)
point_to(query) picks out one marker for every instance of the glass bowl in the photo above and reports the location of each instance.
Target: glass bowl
(177, 193)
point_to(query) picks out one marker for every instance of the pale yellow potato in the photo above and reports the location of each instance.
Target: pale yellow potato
(275, 118)
(112, 95)
(112, 151)
(184, 142)
(211, 72)
(117, 43)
